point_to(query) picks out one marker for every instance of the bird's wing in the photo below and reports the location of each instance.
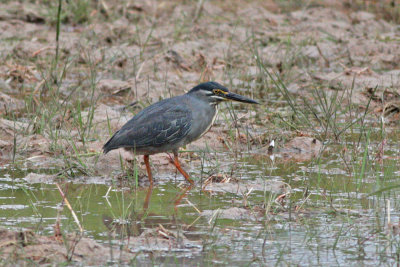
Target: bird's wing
(157, 125)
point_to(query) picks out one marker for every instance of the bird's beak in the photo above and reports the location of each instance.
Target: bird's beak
(239, 98)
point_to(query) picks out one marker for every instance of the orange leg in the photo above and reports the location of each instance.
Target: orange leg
(178, 166)
(146, 161)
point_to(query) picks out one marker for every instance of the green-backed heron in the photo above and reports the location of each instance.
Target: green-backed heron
(172, 123)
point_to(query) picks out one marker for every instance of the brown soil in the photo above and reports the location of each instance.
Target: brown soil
(332, 46)
(115, 57)
(17, 247)
(25, 246)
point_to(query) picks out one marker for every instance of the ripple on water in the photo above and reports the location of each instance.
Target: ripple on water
(13, 207)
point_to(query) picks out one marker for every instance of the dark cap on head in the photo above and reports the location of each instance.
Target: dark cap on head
(208, 86)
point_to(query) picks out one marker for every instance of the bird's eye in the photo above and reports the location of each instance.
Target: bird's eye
(217, 92)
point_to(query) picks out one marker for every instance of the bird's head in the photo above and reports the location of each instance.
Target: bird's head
(215, 93)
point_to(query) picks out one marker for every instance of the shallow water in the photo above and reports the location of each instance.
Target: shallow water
(330, 217)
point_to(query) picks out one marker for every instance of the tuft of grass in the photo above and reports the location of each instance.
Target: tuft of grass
(73, 11)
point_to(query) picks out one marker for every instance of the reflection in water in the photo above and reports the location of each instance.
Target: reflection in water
(181, 195)
(134, 226)
(331, 216)
(147, 199)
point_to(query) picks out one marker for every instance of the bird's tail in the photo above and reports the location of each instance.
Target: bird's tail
(107, 146)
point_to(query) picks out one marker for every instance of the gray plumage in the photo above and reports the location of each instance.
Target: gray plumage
(164, 126)
(172, 123)
(169, 124)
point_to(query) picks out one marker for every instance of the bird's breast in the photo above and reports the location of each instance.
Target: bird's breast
(203, 118)
(212, 122)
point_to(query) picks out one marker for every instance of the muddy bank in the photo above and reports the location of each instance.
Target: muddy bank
(19, 247)
(24, 246)
(113, 74)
